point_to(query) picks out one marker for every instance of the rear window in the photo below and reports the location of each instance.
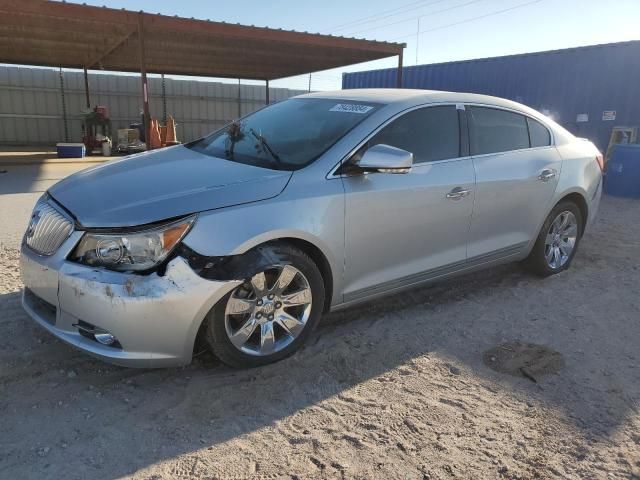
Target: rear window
(538, 133)
(492, 130)
(287, 135)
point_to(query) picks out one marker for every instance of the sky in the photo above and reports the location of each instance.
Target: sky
(450, 29)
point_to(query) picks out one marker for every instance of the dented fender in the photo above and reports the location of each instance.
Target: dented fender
(308, 211)
(239, 267)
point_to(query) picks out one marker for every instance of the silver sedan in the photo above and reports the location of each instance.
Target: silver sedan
(245, 237)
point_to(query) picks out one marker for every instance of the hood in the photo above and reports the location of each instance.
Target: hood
(162, 184)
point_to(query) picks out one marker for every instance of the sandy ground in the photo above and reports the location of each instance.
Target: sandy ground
(393, 389)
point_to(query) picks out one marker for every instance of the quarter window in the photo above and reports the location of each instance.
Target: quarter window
(430, 133)
(492, 130)
(538, 134)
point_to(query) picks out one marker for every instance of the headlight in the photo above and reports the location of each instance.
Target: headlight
(133, 251)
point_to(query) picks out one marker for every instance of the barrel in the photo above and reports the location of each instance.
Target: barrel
(623, 171)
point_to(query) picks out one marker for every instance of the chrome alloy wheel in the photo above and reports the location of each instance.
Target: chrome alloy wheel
(561, 240)
(268, 312)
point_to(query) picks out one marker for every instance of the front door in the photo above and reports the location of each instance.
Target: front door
(401, 229)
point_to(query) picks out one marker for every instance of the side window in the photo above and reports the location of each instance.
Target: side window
(492, 130)
(538, 133)
(430, 133)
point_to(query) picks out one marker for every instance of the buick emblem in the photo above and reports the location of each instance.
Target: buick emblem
(35, 218)
(268, 308)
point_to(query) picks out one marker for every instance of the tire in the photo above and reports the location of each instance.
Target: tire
(261, 331)
(542, 260)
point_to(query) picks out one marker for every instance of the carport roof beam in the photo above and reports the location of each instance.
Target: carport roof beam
(108, 37)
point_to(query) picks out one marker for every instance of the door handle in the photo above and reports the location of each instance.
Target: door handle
(546, 175)
(458, 193)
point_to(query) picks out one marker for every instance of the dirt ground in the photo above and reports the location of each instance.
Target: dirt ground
(393, 389)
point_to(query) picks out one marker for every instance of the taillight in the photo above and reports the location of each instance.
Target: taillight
(600, 160)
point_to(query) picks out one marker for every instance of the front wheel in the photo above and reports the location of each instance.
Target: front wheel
(271, 314)
(557, 241)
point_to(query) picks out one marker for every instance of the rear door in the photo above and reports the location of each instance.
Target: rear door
(403, 228)
(517, 171)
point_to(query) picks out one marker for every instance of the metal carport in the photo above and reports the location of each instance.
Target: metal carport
(58, 34)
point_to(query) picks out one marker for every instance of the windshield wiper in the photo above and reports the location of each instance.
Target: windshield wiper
(265, 146)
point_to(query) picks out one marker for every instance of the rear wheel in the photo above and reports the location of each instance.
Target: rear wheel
(271, 314)
(557, 241)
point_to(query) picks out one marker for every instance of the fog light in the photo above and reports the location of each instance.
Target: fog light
(101, 336)
(105, 338)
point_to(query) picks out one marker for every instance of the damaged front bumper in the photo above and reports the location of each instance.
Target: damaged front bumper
(154, 319)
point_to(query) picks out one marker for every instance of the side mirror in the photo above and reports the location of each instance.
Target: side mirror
(386, 159)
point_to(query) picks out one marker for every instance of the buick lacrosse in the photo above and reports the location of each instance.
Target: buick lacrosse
(244, 238)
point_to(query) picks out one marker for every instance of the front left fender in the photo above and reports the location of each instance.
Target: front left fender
(313, 215)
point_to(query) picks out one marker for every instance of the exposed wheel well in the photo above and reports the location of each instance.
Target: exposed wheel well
(581, 204)
(320, 260)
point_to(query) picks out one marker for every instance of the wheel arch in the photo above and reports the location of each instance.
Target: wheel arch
(312, 250)
(319, 258)
(575, 196)
(579, 200)
(313, 246)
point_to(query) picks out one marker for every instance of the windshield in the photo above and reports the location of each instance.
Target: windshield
(287, 135)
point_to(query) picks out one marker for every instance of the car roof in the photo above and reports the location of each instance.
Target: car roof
(407, 97)
(399, 99)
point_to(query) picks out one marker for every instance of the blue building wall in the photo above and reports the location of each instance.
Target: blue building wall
(561, 83)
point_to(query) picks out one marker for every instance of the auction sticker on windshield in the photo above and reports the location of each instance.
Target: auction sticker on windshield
(350, 108)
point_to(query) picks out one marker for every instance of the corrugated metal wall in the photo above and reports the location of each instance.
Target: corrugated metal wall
(560, 83)
(31, 103)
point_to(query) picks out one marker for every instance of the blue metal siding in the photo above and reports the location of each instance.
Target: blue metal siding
(567, 82)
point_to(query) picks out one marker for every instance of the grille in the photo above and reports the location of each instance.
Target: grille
(47, 229)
